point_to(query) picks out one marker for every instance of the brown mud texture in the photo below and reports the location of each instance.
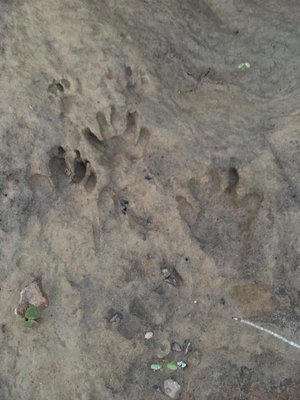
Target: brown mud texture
(149, 174)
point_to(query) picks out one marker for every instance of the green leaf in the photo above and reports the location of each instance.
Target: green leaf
(31, 323)
(171, 366)
(244, 65)
(155, 367)
(32, 312)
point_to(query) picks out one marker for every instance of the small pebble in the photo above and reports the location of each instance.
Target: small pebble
(124, 205)
(172, 388)
(115, 317)
(33, 295)
(187, 346)
(181, 364)
(176, 347)
(157, 388)
(148, 335)
(68, 172)
(165, 272)
(171, 276)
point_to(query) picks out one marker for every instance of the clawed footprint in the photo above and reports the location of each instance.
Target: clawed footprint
(118, 137)
(221, 221)
(75, 170)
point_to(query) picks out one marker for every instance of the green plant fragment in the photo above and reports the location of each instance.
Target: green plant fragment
(32, 312)
(171, 366)
(244, 65)
(31, 323)
(155, 367)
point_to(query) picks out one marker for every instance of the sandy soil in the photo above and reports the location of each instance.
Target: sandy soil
(144, 174)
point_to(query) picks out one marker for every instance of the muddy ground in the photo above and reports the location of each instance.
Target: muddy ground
(154, 186)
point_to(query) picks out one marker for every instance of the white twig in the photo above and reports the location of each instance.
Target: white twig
(260, 328)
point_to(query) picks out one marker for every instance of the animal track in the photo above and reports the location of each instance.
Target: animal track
(223, 223)
(58, 87)
(120, 138)
(64, 171)
(63, 91)
(113, 145)
(131, 83)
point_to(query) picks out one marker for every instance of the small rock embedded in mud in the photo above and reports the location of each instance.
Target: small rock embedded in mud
(157, 388)
(182, 364)
(124, 205)
(172, 388)
(32, 295)
(187, 346)
(176, 347)
(114, 316)
(171, 276)
(148, 335)
(165, 273)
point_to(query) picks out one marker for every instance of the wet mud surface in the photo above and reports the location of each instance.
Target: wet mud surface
(153, 184)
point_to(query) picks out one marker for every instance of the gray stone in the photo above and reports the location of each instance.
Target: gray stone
(176, 347)
(33, 295)
(172, 388)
